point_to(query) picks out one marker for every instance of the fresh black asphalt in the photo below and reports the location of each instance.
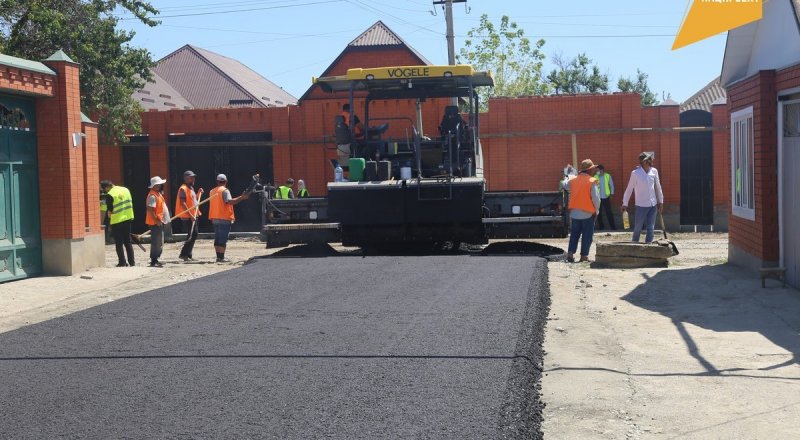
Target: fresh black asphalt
(444, 346)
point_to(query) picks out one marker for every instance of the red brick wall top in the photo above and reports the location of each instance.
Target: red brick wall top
(15, 80)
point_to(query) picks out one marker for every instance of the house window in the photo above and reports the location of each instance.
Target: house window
(742, 164)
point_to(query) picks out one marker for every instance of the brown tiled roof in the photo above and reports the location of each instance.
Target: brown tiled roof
(209, 80)
(380, 35)
(376, 36)
(159, 95)
(712, 93)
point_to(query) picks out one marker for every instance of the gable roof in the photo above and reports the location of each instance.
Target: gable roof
(207, 79)
(376, 37)
(773, 42)
(157, 94)
(256, 85)
(712, 93)
(380, 35)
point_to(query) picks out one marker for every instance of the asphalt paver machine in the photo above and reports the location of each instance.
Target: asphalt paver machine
(407, 185)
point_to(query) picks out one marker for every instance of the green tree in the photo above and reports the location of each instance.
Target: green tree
(638, 85)
(111, 70)
(576, 75)
(515, 61)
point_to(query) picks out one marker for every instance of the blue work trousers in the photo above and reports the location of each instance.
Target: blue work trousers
(645, 215)
(583, 230)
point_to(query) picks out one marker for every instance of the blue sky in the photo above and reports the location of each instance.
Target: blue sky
(289, 41)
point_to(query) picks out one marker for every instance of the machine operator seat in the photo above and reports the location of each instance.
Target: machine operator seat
(375, 132)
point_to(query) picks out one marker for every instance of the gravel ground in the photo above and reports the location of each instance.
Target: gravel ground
(445, 346)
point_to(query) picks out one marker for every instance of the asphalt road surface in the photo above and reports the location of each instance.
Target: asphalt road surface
(293, 348)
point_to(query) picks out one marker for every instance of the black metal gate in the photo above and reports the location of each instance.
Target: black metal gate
(237, 155)
(136, 177)
(697, 190)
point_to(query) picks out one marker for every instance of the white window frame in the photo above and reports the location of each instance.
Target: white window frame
(742, 130)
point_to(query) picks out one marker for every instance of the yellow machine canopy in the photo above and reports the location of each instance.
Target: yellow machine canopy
(456, 79)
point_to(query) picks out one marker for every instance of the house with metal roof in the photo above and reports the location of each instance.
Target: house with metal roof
(372, 48)
(196, 78)
(761, 72)
(713, 93)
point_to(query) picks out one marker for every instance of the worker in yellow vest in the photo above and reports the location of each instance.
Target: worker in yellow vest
(302, 192)
(285, 191)
(157, 218)
(119, 206)
(220, 213)
(606, 183)
(186, 206)
(584, 205)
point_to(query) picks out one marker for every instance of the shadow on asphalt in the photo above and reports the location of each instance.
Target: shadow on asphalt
(505, 248)
(721, 299)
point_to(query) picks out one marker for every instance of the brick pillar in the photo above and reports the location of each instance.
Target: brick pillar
(721, 156)
(68, 246)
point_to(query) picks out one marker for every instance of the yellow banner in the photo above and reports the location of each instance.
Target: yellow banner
(707, 18)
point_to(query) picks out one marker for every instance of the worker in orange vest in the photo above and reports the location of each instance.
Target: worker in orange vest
(186, 203)
(221, 214)
(358, 127)
(157, 217)
(584, 205)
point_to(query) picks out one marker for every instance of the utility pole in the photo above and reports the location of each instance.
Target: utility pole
(451, 44)
(448, 15)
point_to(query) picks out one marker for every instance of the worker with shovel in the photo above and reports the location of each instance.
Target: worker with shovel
(186, 204)
(220, 213)
(646, 187)
(157, 217)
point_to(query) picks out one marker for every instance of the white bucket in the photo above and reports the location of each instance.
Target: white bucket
(405, 173)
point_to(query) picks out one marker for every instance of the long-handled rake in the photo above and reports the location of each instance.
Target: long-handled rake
(136, 238)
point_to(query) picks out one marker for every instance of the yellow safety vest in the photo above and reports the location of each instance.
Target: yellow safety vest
(123, 204)
(607, 183)
(283, 192)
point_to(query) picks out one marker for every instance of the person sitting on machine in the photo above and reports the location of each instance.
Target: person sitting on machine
(347, 142)
(452, 122)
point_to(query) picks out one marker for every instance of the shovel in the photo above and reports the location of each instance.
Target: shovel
(664, 230)
(137, 238)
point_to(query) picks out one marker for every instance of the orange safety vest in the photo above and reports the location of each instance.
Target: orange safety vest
(359, 131)
(580, 193)
(218, 209)
(190, 195)
(159, 209)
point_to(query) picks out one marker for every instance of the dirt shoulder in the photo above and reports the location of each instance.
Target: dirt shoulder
(34, 300)
(696, 350)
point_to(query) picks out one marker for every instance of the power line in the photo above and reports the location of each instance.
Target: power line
(368, 8)
(597, 25)
(289, 37)
(157, 17)
(582, 36)
(251, 32)
(221, 5)
(661, 14)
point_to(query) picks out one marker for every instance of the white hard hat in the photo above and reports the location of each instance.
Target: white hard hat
(156, 180)
(222, 178)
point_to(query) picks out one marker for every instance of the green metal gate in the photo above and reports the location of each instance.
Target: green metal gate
(20, 240)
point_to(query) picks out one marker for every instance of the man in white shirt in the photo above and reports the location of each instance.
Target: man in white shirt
(646, 185)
